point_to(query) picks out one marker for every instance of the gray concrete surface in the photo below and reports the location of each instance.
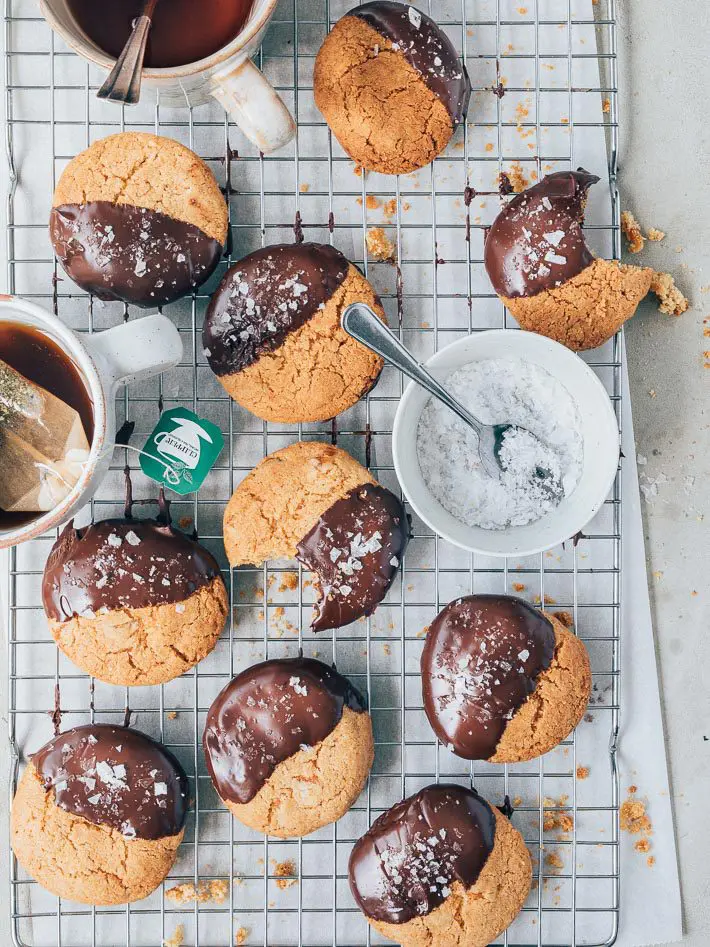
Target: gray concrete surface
(665, 181)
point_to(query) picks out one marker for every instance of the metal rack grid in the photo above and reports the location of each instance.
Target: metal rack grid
(434, 294)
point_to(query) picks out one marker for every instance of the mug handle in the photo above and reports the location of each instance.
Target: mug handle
(254, 105)
(135, 350)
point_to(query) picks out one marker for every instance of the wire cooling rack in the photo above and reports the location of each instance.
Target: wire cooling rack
(544, 78)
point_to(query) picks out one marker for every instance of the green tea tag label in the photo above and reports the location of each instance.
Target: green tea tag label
(181, 451)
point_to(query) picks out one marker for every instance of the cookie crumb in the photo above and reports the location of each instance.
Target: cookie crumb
(371, 202)
(519, 587)
(214, 891)
(606, 106)
(655, 235)
(651, 861)
(631, 229)
(358, 171)
(185, 522)
(240, 936)
(379, 245)
(390, 207)
(289, 582)
(582, 772)
(304, 188)
(172, 715)
(284, 873)
(177, 938)
(633, 818)
(671, 300)
(565, 618)
(554, 862)
(515, 176)
(643, 845)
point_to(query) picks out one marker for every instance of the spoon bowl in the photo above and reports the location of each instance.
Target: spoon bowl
(360, 322)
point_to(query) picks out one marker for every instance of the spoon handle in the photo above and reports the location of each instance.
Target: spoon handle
(362, 324)
(123, 83)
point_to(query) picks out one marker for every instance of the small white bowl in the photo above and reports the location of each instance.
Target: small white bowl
(600, 433)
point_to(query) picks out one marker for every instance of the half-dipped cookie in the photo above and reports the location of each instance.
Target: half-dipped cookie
(501, 680)
(443, 867)
(133, 601)
(273, 336)
(99, 814)
(288, 745)
(314, 502)
(391, 85)
(138, 218)
(541, 267)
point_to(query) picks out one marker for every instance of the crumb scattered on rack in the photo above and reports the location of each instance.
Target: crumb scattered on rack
(582, 772)
(172, 714)
(554, 819)
(517, 802)
(304, 188)
(177, 938)
(606, 106)
(554, 862)
(285, 873)
(651, 861)
(214, 891)
(516, 176)
(671, 300)
(387, 649)
(379, 244)
(358, 171)
(564, 618)
(655, 235)
(289, 582)
(632, 815)
(519, 587)
(371, 202)
(185, 522)
(240, 936)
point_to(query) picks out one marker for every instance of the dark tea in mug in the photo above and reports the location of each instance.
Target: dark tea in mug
(183, 31)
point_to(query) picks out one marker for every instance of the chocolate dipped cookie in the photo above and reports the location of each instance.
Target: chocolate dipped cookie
(99, 814)
(541, 267)
(288, 745)
(132, 601)
(138, 218)
(314, 502)
(501, 680)
(391, 86)
(441, 868)
(273, 337)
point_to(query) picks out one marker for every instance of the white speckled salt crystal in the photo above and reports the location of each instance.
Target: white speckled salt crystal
(498, 391)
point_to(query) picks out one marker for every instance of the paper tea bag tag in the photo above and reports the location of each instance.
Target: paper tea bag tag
(181, 451)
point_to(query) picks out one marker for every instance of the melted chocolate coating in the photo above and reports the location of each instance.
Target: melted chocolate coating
(355, 549)
(537, 242)
(425, 47)
(480, 663)
(404, 866)
(267, 714)
(132, 254)
(117, 777)
(122, 563)
(264, 297)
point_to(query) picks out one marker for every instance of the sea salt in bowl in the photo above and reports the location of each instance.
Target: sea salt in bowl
(597, 422)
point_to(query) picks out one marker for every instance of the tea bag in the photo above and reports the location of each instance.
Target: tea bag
(43, 446)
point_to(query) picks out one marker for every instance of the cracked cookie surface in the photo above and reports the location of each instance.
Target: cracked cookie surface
(316, 786)
(150, 645)
(280, 501)
(138, 218)
(78, 860)
(588, 309)
(376, 103)
(555, 707)
(474, 916)
(149, 171)
(316, 371)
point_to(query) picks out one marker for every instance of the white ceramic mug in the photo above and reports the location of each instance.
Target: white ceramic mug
(105, 360)
(228, 75)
